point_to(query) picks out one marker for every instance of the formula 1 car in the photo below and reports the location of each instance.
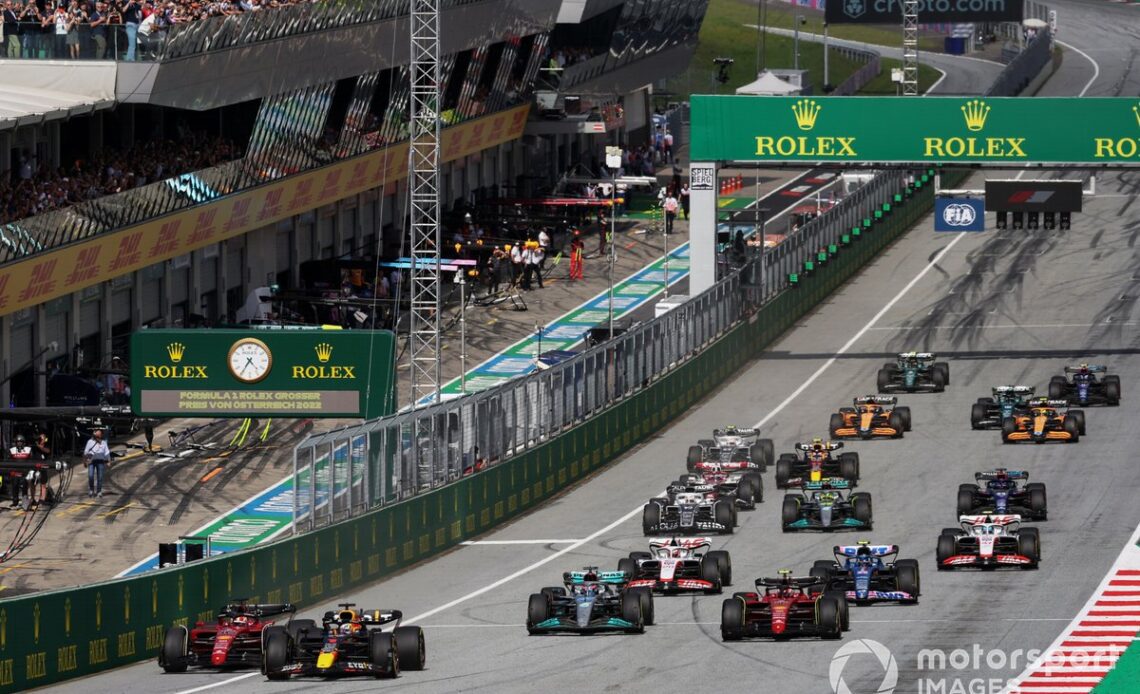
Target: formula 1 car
(689, 512)
(825, 508)
(987, 542)
(728, 480)
(861, 573)
(784, 607)
(1007, 401)
(592, 601)
(914, 372)
(678, 565)
(1044, 422)
(816, 463)
(869, 418)
(1002, 495)
(1083, 388)
(349, 641)
(732, 445)
(234, 640)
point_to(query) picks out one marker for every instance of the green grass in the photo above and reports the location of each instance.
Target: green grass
(883, 84)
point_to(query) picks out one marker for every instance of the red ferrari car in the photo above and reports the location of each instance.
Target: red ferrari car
(235, 640)
(785, 607)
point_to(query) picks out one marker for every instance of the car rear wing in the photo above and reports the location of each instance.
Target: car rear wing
(380, 616)
(993, 519)
(786, 579)
(875, 550)
(924, 356)
(239, 607)
(1098, 369)
(995, 474)
(830, 445)
(876, 400)
(579, 577)
(693, 543)
(825, 483)
(1025, 391)
(1046, 402)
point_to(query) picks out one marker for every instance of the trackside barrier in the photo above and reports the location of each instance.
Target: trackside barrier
(53, 636)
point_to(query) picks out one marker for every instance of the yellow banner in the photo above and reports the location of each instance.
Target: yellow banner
(46, 276)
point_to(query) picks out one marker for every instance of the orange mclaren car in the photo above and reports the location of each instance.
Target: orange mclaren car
(1044, 422)
(870, 418)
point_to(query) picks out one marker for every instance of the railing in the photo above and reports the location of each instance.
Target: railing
(1024, 67)
(858, 79)
(349, 471)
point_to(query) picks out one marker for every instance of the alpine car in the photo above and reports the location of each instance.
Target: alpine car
(592, 601)
(1007, 402)
(678, 565)
(870, 418)
(816, 463)
(989, 542)
(864, 573)
(1044, 421)
(235, 639)
(732, 445)
(824, 507)
(1082, 387)
(349, 641)
(914, 372)
(784, 607)
(1003, 492)
(689, 512)
(730, 480)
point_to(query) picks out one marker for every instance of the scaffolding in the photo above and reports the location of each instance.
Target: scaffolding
(910, 48)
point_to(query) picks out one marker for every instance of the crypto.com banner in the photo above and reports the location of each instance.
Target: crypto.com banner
(929, 11)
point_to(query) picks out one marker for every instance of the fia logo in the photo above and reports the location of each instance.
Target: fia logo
(958, 215)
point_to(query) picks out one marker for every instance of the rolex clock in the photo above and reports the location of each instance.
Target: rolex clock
(250, 360)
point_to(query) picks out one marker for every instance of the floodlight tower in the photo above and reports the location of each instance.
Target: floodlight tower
(423, 188)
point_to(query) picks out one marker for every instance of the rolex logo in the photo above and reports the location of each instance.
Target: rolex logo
(975, 112)
(324, 352)
(176, 350)
(806, 111)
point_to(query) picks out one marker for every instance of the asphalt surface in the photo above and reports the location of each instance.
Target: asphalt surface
(1001, 307)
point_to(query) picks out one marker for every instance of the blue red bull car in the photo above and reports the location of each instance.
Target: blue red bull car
(867, 573)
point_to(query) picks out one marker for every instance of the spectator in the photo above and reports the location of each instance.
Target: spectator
(61, 20)
(148, 31)
(96, 458)
(75, 16)
(98, 22)
(132, 17)
(11, 18)
(670, 206)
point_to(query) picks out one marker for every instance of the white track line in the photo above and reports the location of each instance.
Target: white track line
(1086, 56)
(517, 542)
(570, 548)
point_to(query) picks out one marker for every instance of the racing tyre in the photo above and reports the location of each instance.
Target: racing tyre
(907, 578)
(896, 422)
(827, 617)
(1038, 502)
(884, 380)
(645, 598)
(1057, 388)
(985, 401)
(904, 412)
(938, 379)
(767, 451)
(275, 655)
(965, 502)
(745, 491)
(174, 650)
(629, 566)
(710, 571)
(757, 485)
(1008, 426)
(790, 512)
(944, 368)
(1112, 389)
(382, 654)
(978, 415)
(822, 569)
(849, 466)
(631, 611)
(694, 457)
(844, 609)
(297, 626)
(862, 506)
(732, 619)
(952, 532)
(552, 592)
(1070, 425)
(650, 518)
(783, 472)
(640, 556)
(537, 611)
(1029, 545)
(836, 424)
(723, 513)
(1079, 416)
(724, 564)
(947, 547)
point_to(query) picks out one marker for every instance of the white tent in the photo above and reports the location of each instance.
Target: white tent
(769, 85)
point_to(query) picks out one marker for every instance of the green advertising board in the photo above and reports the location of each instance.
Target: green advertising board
(930, 130)
(263, 373)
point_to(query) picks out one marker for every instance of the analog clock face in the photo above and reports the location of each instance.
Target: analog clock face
(250, 360)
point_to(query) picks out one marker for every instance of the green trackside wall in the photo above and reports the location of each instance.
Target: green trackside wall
(53, 636)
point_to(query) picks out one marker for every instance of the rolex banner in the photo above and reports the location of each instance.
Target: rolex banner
(929, 11)
(263, 373)
(931, 130)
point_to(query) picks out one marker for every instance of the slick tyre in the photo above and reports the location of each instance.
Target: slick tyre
(822, 570)
(650, 518)
(1070, 425)
(710, 571)
(965, 502)
(840, 598)
(723, 513)
(537, 611)
(1057, 388)
(757, 485)
(904, 412)
(944, 368)
(627, 565)
(298, 626)
(1038, 500)
(938, 380)
(1029, 545)
(383, 655)
(275, 655)
(827, 617)
(1008, 426)
(745, 491)
(862, 507)
(631, 611)
(783, 472)
(645, 600)
(1079, 417)
(849, 466)
(896, 422)
(732, 619)
(694, 456)
(907, 578)
(978, 415)
(724, 564)
(411, 647)
(947, 547)
(174, 650)
(763, 452)
(835, 424)
(1112, 390)
(551, 592)
(790, 512)
(884, 380)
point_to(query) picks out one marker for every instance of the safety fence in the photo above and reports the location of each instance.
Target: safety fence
(1025, 67)
(872, 65)
(556, 430)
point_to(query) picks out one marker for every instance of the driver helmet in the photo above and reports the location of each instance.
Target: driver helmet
(863, 551)
(241, 619)
(828, 497)
(817, 443)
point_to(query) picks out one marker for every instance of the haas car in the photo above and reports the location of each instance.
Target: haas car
(1044, 421)
(866, 573)
(989, 542)
(689, 512)
(732, 445)
(737, 481)
(869, 417)
(1081, 385)
(816, 463)
(914, 372)
(349, 641)
(590, 601)
(784, 607)
(235, 639)
(1003, 492)
(1007, 402)
(678, 565)
(822, 506)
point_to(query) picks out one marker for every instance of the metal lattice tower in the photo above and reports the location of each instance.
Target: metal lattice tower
(910, 48)
(423, 186)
